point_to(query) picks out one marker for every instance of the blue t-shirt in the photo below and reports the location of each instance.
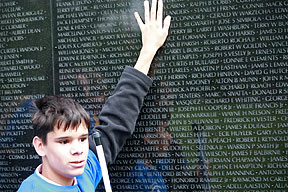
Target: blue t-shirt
(88, 181)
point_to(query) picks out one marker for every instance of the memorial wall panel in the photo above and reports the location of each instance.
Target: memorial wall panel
(25, 74)
(215, 118)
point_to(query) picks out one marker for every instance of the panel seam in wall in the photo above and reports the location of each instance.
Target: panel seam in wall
(52, 50)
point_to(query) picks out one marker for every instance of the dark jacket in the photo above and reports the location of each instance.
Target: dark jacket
(119, 114)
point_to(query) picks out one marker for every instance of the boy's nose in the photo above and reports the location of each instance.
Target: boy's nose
(76, 148)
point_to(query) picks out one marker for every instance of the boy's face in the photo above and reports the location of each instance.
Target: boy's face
(65, 153)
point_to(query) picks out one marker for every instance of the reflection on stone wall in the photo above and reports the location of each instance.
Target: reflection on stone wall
(215, 118)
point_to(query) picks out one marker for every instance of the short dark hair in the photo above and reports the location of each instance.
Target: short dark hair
(53, 111)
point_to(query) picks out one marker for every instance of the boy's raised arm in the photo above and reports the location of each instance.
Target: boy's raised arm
(154, 33)
(120, 112)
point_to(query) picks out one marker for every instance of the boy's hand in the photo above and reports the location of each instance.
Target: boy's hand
(154, 33)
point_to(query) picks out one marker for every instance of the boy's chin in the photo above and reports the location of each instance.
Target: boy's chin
(77, 172)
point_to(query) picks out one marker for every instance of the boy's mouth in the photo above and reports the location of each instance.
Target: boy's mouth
(77, 164)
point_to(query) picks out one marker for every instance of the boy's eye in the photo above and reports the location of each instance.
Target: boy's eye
(83, 139)
(63, 142)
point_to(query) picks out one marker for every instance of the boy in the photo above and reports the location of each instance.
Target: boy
(61, 125)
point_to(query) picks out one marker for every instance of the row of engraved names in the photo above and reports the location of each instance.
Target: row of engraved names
(248, 132)
(191, 183)
(237, 167)
(209, 35)
(261, 93)
(229, 187)
(183, 106)
(181, 184)
(215, 175)
(197, 42)
(188, 75)
(201, 6)
(214, 156)
(256, 95)
(217, 133)
(198, 183)
(17, 155)
(226, 148)
(41, 12)
(166, 107)
(259, 56)
(14, 124)
(276, 172)
(17, 35)
(273, 167)
(243, 51)
(199, 75)
(24, 17)
(236, 90)
(13, 56)
(209, 14)
(198, 7)
(211, 150)
(174, 56)
(178, 34)
(92, 55)
(12, 175)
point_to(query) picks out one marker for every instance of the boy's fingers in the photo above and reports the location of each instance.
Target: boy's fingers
(160, 12)
(139, 20)
(153, 10)
(167, 22)
(147, 11)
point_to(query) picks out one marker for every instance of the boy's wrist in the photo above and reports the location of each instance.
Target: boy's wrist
(145, 58)
(149, 50)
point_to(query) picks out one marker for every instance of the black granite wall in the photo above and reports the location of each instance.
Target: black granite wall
(215, 118)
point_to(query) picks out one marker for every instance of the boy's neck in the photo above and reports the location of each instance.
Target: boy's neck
(60, 181)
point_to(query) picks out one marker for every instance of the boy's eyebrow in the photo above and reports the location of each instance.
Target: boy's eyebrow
(69, 137)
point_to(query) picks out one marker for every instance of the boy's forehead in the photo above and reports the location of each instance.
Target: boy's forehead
(80, 128)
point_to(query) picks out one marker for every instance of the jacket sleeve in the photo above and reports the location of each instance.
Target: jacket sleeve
(119, 114)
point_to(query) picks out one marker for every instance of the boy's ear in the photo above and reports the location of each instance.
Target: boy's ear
(39, 146)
